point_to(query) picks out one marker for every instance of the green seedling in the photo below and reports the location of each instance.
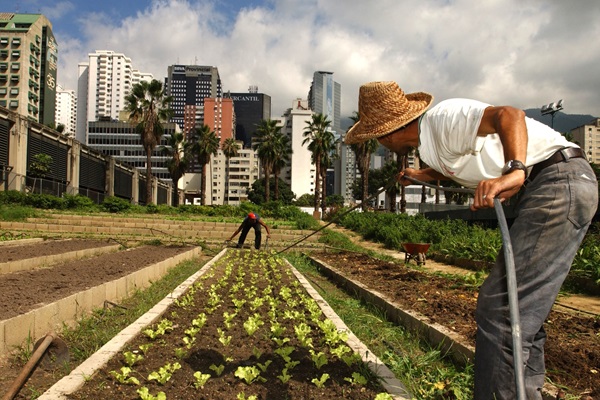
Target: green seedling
(320, 382)
(164, 373)
(218, 369)
(319, 359)
(131, 358)
(201, 379)
(249, 374)
(145, 394)
(284, 377)
(357, 379)
(124, 377)
(284, 352)
(263, 367)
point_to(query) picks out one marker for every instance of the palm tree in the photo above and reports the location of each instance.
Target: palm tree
(320, 141)
(148, 107)
(230, 148)
(206, 144)
(326, 162)
(362, 152)
(283, 150)
(264, 144)
(179, 152)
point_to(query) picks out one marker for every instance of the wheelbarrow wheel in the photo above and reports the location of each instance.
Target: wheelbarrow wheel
(421, 259)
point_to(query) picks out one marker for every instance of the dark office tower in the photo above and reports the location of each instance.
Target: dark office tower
(250, 108)
(189, 85)
(28, 62)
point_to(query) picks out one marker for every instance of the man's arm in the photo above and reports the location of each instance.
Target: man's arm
(266, 227)
(509, 123)
(237, 231)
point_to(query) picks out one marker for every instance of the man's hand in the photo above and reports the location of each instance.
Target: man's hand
(503, 187)
(409, 172)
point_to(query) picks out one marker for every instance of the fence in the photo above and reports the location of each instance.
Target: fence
(75, 167)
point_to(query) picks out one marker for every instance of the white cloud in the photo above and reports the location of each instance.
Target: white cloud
(521, 52)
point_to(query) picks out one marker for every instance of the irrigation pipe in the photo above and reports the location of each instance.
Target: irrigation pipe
(511, 285)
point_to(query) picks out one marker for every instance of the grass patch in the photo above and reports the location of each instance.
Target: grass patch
(16, 213)
(423, 369)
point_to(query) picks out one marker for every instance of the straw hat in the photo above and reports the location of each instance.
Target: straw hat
(383, 108)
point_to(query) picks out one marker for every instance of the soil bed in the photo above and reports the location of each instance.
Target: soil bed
(573, 346)
(237, 278)
(17, 251)
(25, 290)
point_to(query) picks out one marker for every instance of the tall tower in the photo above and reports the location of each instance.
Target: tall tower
(104, 82)
(189, 85)
(28, 63)
(250, 109)
(325, 97)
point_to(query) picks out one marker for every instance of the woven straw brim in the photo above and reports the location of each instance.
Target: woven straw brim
(383, 108)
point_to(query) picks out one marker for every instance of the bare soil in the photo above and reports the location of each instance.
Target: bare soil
(15, 252)
(573, 346)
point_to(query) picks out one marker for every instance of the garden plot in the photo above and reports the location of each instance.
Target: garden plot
(245, 329)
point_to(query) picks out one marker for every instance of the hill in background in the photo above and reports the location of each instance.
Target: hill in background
(562, 122)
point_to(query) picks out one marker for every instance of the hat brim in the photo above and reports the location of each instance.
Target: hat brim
(362, 131)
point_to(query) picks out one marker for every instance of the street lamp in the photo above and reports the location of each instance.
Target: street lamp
(552, 109)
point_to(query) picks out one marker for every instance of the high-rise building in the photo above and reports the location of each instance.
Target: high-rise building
(28, 63)
(66, 110)
(300, 173)
(104, 82)
(250, 109)
(325, 97)
(219, 116)
(120, 140)
(588, 137)
(189, 85)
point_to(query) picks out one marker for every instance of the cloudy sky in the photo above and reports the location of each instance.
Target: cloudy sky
(526, 53)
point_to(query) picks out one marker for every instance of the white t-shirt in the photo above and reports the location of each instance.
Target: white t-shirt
(448, 142)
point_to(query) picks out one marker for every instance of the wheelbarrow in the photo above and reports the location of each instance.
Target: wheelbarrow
(415, 251)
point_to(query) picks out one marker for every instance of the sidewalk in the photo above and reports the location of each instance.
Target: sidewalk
(566, 303)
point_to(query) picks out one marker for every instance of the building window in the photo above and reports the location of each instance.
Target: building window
(16, 41)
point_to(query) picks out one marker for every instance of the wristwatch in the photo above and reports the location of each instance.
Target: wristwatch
(511, 165)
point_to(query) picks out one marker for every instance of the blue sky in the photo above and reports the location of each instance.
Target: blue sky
(526, 53)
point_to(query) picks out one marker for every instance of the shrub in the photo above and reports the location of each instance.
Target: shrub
(115, 204)
(79, 202)
(45, 201)
(16, 213)
(151, 208)
(12, 197)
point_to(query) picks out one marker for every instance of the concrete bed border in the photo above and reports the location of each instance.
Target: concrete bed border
(38, 322)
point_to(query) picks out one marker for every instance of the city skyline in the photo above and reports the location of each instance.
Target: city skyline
(522, 53)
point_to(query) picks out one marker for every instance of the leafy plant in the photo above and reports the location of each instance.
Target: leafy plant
(284, 377)
(201, 379)
(123, 376)
(321, 381)
(145, 394)
(319, 359)
(249, 374)
(131, 358)
(218, 369)
(164, 373)
(357, 379)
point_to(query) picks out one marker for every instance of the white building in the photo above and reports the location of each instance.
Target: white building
(300, 174)
(227, 181)
(104, 82)
(588, 137)
(66, 110)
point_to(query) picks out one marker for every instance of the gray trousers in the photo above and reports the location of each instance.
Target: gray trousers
(553, 215)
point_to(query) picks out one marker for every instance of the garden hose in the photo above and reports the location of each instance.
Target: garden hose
(511, 285)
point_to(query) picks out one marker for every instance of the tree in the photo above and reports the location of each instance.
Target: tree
(320, 140)
(40, 167)
(206, 144)
(230, 148)
(362, 152)
(283, 150)
(264, 145)
(179, 152)
(256, 193)
(306, 200)
(148, 107)
(326, 162)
